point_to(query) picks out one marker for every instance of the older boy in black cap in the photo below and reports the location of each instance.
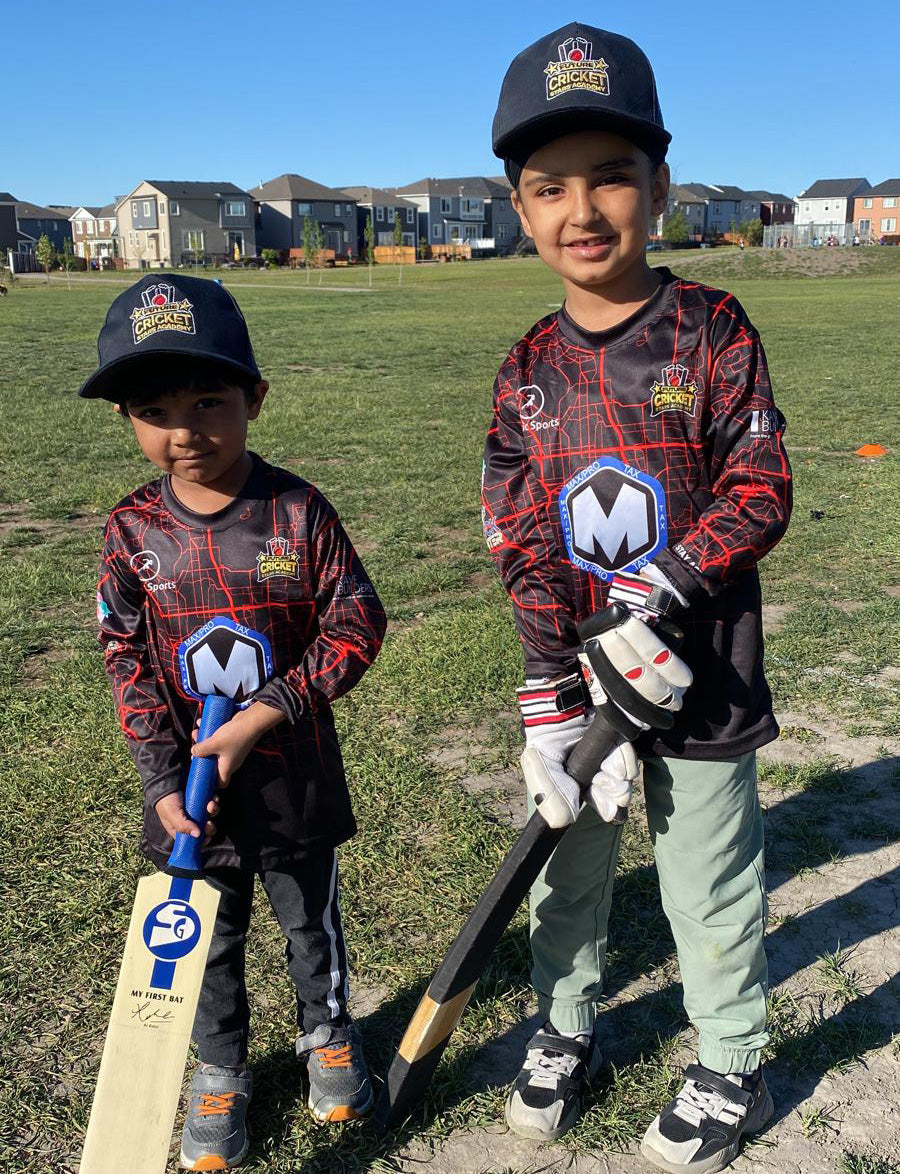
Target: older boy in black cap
(225, 548)
(635, 464)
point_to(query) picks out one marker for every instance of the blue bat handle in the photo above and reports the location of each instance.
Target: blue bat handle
(201, 785)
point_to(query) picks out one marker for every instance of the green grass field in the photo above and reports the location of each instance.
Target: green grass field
(382, 398)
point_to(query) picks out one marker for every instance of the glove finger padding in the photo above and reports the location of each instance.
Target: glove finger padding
(555, 794)
(611, 787)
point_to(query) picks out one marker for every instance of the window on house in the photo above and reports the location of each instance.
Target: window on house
(717, 208)
(134, 210)
(147, 211)
(436, 231)
(502, 231)
(162, 209)
(90, 227)
(379, 213)
(304, 209)
(806, 207)
(193, 239)
(235, 208)
(409, 216)
(446, 204)
(889, 224)
(174, 210)
(390, 212)
(348, 209)
(867, 202)
(337, 209)
(889, 202)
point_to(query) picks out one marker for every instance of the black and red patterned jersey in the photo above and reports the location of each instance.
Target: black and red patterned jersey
(655, 441)
(275, 572)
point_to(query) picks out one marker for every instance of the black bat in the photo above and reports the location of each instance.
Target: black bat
(443, 1003)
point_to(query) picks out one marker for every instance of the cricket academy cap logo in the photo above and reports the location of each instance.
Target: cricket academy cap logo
(674, 392)
(162, 308)
(613, 518)
(225, 658)
(576, 69)
(277, 559)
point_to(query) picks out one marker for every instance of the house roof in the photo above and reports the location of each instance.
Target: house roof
(823, 188)
(295, 187)
(188, 189)
(27, 211)
(771, 197)
(91, 209)
(683, 194)
(366, 195)
(890, 187)
(68, 209)
(7, 198)
(728, 191)
(701, 190)
(471, 185)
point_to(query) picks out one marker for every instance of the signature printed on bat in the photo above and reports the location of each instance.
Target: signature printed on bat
(150, 1015)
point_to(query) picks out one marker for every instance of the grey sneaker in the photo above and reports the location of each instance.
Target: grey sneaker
(545, 1101)
(215, 1134)
(700, 1129)
(339, 1086)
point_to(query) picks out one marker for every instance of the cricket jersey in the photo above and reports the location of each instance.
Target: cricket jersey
(264, 599)
(655, 441)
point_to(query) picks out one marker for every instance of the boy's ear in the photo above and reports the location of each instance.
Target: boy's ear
(659, 188)
(254, 404)
(520, 211)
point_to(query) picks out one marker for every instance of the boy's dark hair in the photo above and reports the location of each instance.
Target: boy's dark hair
(169, 374)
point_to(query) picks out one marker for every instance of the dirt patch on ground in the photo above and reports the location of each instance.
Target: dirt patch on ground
(833, 954)
(30, 530)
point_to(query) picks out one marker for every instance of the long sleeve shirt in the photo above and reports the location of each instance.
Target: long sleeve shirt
(275, 562)
(656, 441)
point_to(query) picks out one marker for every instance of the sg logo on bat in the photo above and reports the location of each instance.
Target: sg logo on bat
(171, 930)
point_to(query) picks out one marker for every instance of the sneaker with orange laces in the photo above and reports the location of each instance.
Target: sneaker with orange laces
(339, 1085)
(215, 1132)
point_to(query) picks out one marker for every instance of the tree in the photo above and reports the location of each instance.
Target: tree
(423, 247)
(676, 229)
(45, 253)
(752, 231)
(398, 243)
(67, 260)
(369, 238)
(320, 244)
(310, 243)
(270, 256)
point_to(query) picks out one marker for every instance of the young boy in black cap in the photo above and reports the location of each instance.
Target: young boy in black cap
(250, 565)
(635, 468)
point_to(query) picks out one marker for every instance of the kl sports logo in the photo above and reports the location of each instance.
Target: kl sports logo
(531, 404)
(277, 559)
(674, 393)
(576, 69)
(161, 310)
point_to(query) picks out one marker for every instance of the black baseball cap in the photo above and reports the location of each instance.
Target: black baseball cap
(167, 314)
(574, 79)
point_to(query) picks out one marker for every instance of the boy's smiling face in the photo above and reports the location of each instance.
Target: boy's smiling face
(586, 200)
(198, 437)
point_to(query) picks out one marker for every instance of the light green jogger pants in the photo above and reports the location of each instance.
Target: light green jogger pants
(706, 829)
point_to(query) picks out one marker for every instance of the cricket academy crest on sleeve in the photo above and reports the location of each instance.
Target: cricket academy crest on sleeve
(162, 308)
(576, 69)
(225, 658)
(613, 518)
(675, 392)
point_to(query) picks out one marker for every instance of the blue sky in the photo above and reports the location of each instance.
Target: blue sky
(774, 96)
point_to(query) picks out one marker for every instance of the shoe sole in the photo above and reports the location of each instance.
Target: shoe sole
(341, 1113)
(212, 1161)
(716, 1162)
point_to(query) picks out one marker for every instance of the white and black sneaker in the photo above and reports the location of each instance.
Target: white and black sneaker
(545, 1100)
(700, 1130)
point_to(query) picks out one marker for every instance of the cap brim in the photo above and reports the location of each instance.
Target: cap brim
(521, 143)
(110, 381)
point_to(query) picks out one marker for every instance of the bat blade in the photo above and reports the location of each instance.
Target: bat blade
(149, 1031)
(443, 1003)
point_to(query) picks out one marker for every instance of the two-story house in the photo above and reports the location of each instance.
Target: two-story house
(828, 203)
(469, 208)
(34, 220)
(385, 209)
(774, 207)
(691, 206)
(283, 205)
(94, 234)
(164, 223)
(875, 216)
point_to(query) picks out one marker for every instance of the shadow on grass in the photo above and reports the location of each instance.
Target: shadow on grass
(803, 1049)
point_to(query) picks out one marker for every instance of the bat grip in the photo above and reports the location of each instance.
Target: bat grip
(587, 754)
(185, 859)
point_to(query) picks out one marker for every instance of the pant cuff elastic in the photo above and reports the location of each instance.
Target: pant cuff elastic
(568, 1016)
(725, 1060)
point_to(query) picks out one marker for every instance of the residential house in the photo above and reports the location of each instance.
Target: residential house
(284, 203)
(33, 220)
(691, 206)
(875, 214)
(165, 223)
(828, 203)
(94, 234)
(469, 208)
(7, 224)
(385, 209)
(774, 208)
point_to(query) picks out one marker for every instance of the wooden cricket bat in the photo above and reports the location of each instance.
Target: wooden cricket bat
(142, 1067)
